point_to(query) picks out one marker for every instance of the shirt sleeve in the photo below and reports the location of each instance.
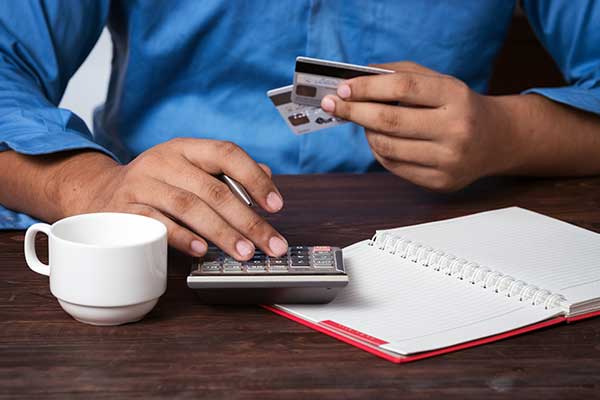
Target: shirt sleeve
(42, 43)
(570, 31)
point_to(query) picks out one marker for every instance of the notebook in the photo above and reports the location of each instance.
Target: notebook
(429, 289)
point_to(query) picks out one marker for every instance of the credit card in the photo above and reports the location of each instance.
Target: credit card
(315, 79)
(301, 118)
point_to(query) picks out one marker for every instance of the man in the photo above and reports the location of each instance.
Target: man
(187, 101)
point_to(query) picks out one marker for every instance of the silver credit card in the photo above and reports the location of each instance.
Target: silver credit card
(301, 118)
(315, 79)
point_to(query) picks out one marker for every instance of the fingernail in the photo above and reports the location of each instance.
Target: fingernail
(198, 247)
(244, 248)
(328, 104)
(344, 91)
(274, 201)
(278, 246)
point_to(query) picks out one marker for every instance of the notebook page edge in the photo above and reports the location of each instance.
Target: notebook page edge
(441, 340)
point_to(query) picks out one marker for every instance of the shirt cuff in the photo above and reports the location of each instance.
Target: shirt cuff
(38, 143)
(574, 96)
(14, 220)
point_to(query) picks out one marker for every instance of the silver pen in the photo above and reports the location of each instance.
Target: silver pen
(237, 189)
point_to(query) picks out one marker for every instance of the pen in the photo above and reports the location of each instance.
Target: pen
(237, 189)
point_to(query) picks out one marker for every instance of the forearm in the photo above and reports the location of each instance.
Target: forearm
(545, 138)
(50, 187)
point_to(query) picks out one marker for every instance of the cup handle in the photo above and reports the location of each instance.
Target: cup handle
(30, 255)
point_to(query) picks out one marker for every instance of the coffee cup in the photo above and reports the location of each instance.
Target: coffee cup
(104, 268)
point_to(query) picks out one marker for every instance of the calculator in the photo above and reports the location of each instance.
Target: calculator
(306, 274)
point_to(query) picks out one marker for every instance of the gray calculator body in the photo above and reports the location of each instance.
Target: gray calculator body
(306, 274)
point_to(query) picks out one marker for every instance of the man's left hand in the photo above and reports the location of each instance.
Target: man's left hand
(438, 133)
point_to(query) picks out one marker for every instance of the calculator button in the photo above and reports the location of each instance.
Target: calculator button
(320, 249)
(211, 268)
(323, 257)
(323, 266)
(299, 251)
(258, 264)
(303, 250)
(300, 260)
(256, 268)
(301, 269)
(296, 265)
(232, 264)
(300, 265)
(299, 256)
(232, 268)
(278, 267)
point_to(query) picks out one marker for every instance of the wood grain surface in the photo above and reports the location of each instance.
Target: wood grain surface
(187, 350)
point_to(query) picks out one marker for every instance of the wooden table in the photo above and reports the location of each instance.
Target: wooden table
(187, 350)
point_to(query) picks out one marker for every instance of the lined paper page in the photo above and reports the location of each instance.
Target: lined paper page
(415, 308)
(537, 249)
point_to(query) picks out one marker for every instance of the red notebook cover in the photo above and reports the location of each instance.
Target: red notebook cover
(371, 344)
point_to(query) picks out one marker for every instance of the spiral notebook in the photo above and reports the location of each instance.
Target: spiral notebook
(429, 289)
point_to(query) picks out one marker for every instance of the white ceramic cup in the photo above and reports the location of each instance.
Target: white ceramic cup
(104, 268)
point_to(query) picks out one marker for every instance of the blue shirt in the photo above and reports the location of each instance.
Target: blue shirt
(201, 68)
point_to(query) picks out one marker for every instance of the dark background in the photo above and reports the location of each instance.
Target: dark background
(523, 62)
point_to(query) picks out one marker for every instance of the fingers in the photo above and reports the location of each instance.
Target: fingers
(266, 168)
(393, 120)
(188, 192)
(406, 66)
(179, 237)
(217, 195)
(405, 87)
(197, 215)
(422, 152)
(420, 175)
(217, 157)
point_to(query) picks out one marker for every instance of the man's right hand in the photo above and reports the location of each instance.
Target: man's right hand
(174, 182)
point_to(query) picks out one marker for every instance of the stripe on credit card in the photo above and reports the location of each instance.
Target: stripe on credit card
(334, 69)
(315, 79)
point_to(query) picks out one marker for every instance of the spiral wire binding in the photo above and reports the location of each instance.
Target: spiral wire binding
(465, 270)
